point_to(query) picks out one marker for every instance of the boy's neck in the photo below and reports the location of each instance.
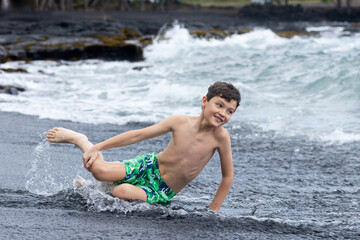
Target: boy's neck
(201, 125)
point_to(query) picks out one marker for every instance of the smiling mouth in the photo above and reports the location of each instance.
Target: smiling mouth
(218, 119)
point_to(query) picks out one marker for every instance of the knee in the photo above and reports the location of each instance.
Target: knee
(122, 191)
(98, 170)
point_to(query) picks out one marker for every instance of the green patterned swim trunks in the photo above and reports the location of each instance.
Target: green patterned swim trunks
(143, 171)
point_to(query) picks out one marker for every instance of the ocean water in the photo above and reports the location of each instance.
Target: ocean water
(295, 136)
(307, 85)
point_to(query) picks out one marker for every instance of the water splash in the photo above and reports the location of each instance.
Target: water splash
(99, 199)
(41, 179)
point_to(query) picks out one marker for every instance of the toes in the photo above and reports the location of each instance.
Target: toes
(50, 135)
(79, 183)
(53, 131)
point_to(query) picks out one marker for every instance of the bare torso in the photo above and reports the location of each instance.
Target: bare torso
(187, 153)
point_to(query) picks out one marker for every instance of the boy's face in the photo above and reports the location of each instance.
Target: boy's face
(218, 111)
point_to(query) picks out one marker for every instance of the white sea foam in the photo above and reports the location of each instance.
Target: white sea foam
(302, 85)
(338, 136)
(330, 29)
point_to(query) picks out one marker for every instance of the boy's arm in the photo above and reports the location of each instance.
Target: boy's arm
(227, 171)
(129, 137)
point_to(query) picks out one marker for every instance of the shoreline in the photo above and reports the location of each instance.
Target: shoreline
(116, 35)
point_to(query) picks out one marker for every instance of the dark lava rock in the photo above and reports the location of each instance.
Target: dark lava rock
(129, 52)
(9, 89)
(14, 70)
(139, 68)
(124, 44)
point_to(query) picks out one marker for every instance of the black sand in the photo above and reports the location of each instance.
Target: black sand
(24, 215)
(291, 185)
(27, 216)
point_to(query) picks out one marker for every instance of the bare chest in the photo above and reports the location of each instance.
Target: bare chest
(199, 148)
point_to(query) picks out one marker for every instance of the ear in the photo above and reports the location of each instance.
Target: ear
(203, 102)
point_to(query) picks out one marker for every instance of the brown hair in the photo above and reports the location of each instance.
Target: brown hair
(224, 90)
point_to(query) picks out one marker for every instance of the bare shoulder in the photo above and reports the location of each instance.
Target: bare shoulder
(176, 121)
(222, 135)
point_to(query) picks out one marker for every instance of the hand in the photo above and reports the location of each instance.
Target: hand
(90, 156)
(214, 206)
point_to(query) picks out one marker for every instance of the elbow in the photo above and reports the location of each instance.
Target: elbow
(229, 179)
(229, 176)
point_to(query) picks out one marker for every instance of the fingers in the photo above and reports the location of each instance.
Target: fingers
(90, 162)
(89, 159)
(85, 160)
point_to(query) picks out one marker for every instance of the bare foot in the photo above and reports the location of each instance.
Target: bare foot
(79, 183)
(63, 135)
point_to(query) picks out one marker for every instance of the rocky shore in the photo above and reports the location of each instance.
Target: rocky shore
(118, 35)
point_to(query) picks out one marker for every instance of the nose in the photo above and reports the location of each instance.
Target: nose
(222, 112)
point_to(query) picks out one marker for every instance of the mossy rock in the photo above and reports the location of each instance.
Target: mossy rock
(199, 33)
(113, 40)
(146, 41)
(290, 34)
(213, 33)
(130, 34)
(218, 33)
(10, 89)
(14, 70)
(245, 30)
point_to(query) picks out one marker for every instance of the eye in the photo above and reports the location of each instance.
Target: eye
(230, 112)
(219, 105)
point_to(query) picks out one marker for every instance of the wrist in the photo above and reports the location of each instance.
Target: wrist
(214, 206)
(97, 147)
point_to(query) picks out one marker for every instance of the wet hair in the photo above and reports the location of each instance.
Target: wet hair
(224, 90)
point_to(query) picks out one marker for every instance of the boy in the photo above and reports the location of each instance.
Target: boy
(156, 178)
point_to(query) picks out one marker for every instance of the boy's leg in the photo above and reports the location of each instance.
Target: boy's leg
(129, 192)
(101, 170)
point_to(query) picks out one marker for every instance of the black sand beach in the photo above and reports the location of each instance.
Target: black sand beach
(28, 216)
(285, 187)
(68, 215)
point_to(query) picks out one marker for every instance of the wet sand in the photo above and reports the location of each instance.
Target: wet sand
(26, 215)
